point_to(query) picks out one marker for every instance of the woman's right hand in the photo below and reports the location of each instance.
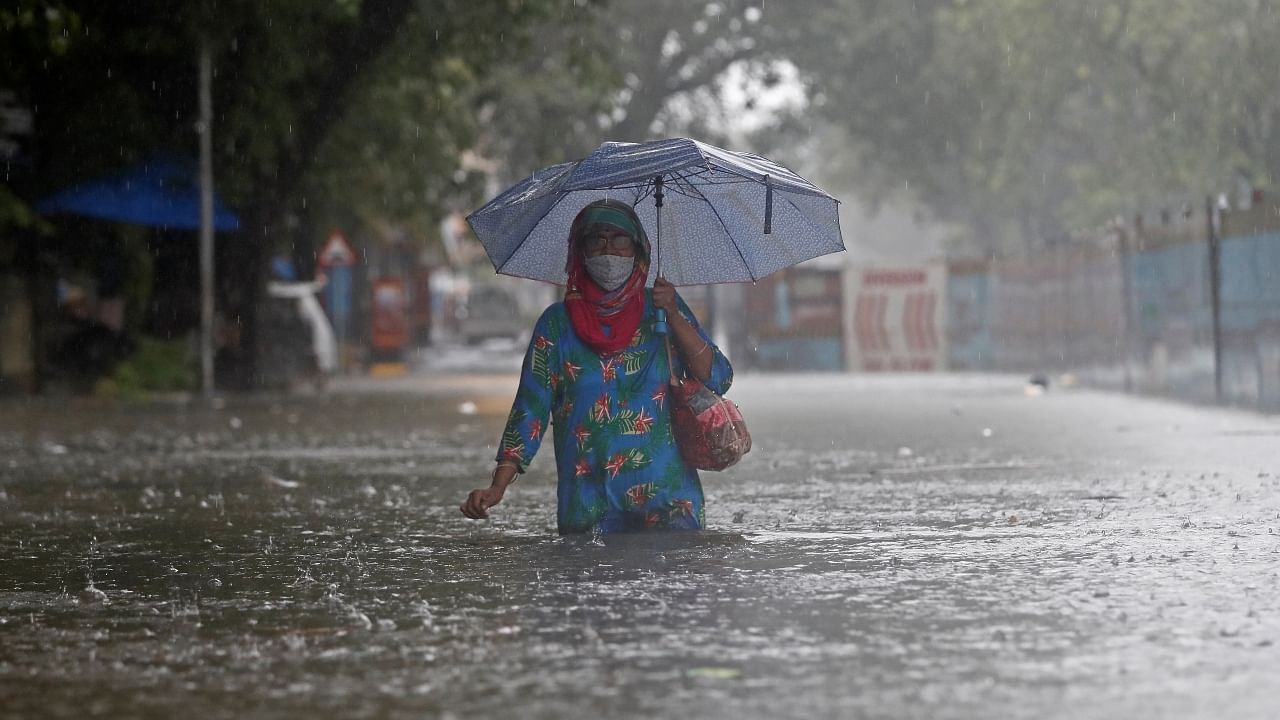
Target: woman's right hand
(481, 499)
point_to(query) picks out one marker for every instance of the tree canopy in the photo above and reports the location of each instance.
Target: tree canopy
(356, 108)
(1031, 117)
(1013, 118)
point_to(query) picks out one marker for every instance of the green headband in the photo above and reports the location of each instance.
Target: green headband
(604, 215)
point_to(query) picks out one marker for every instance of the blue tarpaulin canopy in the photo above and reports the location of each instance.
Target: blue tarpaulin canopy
(156, 193)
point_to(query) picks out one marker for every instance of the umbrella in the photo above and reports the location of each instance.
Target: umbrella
(730, 216)
(157, 193)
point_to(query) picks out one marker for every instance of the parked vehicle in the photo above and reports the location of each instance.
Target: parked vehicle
(490, 312)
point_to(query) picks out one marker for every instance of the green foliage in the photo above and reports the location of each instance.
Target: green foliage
(1039, 115)
(387, 151)
(343, 110)
(36, 30)
(544, 105)
(15, 214)
(34, 27)
(1012, 117)
(156, 366)
(610, 71)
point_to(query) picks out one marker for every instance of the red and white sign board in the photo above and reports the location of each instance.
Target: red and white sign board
(336, 252)
(894, 318)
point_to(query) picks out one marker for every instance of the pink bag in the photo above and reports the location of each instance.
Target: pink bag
(709, 429)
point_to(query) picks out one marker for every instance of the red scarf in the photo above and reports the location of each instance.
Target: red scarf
(591, 308)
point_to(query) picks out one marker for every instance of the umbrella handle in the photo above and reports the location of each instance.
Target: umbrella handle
(657, 203)
(660, 326)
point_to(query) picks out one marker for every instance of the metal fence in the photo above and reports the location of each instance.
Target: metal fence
(1188, 306)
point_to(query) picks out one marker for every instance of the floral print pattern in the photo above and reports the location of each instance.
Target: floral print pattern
(617, 463)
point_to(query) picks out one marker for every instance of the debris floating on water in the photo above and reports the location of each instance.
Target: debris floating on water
(280, 482)
(715, 673)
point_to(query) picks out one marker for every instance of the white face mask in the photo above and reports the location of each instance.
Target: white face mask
(610, 271)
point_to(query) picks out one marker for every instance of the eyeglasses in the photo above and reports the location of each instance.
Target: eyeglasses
(596, 243)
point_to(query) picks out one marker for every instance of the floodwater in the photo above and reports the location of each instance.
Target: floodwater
(900, 547)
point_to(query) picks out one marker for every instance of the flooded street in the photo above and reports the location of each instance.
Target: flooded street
(941, 547)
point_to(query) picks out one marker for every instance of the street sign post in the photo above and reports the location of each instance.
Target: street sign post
(336, 259)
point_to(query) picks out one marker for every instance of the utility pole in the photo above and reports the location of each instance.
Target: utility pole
(206, 221)
(1215, 294)
(1126, 303)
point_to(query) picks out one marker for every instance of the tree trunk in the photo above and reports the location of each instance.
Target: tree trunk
(248, 251)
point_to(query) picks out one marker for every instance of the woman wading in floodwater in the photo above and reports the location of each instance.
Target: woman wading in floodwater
(597, 373)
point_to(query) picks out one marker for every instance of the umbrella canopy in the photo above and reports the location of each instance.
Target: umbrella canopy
(725, 217)
(157, 193)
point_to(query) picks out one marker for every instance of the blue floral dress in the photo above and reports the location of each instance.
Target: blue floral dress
(617, 461)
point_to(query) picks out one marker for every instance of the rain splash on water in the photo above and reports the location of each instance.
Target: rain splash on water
(936, 551)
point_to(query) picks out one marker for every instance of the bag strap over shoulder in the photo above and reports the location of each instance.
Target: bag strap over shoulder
(671, 366)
